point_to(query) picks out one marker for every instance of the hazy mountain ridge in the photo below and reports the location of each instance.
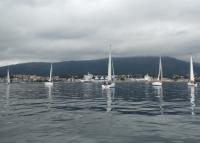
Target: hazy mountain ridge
(128, 65)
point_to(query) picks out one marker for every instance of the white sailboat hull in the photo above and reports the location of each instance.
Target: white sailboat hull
(192, 84)
(157, 83)
(48, 83)
(107, 86)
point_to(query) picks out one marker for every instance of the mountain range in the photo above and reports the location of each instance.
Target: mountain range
(123, 65)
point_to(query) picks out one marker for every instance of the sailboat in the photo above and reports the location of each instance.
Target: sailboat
(192, 79)
(8, 76)
(160, 75)
(110, 79)
(50, 82)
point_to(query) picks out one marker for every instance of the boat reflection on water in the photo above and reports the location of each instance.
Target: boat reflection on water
(110, 96)
(8, 97)
(192, 99)
(49, 88)
(159, 93)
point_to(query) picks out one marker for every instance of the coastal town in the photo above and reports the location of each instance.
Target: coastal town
(93, 78)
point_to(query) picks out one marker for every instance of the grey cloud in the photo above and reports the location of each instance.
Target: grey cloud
(49, 30)
(65, 33)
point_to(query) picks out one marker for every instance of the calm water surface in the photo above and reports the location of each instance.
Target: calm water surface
(83, 113)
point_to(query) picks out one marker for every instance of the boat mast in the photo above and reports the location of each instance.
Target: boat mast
(109, 66)
(8, 76)
(160, 73)
(50, 76)
(191, 70)
(113, 71)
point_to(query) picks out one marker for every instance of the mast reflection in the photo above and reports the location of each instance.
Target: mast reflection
(8, 97)
(49, 96)
(110, 95)
(159, 93)
(192, 99)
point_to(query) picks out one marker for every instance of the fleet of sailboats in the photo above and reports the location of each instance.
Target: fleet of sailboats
(50, 82)
(158, 82)
(109, 83)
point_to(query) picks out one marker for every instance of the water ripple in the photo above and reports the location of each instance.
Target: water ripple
(83, 112)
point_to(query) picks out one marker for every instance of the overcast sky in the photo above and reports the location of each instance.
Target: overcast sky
(57, 30)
